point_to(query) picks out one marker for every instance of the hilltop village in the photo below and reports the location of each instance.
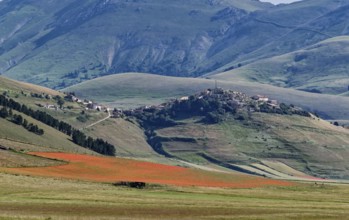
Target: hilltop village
(227, 100)
(214, 105)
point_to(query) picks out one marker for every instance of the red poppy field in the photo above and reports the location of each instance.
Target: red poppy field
(108, 169)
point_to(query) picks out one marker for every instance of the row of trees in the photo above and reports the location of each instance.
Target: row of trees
(283, 110)
(19, 120)
(96, 145)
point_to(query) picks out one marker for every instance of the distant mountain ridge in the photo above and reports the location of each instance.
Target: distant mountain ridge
(61, 43)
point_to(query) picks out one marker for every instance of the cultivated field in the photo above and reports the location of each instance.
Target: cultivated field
(24, 197)
(107, 169)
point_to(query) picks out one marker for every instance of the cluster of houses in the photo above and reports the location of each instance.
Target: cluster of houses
(89, 105)
(238, 99)
(264, 99)
(47, 106)
(229, 97)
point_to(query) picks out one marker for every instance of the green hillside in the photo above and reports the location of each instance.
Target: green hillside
(51, 140)
(126, 136)
(137, 89)
(16, 141)
(320, 68)
(308, 145)
(8, 85)
(232, 130)
(28, 126)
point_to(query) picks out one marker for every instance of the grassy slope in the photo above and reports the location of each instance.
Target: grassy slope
(10, 85)
(135, 89)
(24, 197)
(16, 159)
(310, 145)
(20, 140)
(322, 67)
(51, 140)
(128, 138)
(20, 92)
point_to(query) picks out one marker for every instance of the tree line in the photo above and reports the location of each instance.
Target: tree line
(79, 138)
(19, 120)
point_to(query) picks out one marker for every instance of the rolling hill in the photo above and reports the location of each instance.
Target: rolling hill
(233, 130)
(8, 85)
(304, 144)
(320, 68)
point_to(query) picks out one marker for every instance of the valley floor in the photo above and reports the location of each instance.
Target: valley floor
(24, 197)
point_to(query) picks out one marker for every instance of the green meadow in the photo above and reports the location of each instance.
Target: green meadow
(23, 197)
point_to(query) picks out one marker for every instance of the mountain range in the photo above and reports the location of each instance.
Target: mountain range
(61, 43)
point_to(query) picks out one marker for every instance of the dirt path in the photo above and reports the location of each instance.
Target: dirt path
(97, 122)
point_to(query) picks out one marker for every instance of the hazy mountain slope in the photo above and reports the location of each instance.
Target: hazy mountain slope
(86, 39)
(320, 68)
(135, 89)
(58, 44)
(281, 30)
(21, 23)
